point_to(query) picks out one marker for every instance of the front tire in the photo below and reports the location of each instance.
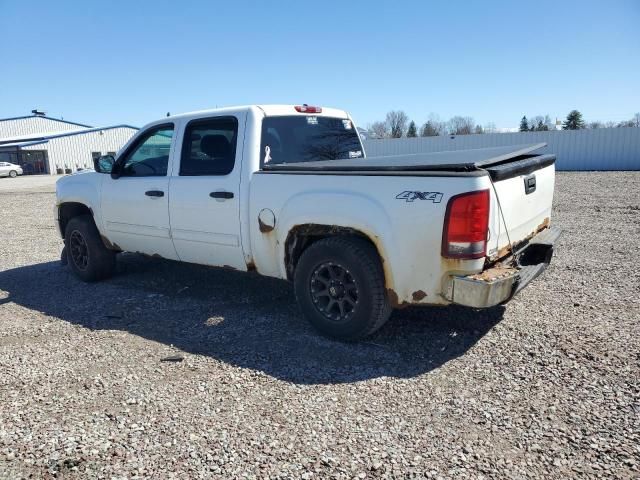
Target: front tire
(13, 174)
(87, 256)
(339, 285)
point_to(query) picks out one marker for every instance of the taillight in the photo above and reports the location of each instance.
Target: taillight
(466, 224)
(307, 109)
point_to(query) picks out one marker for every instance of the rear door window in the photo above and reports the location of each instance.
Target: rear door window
(209, 147)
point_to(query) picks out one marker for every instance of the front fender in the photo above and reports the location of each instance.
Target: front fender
(85, 189)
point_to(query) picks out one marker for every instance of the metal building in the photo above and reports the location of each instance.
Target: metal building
(45, 145)
(598, 149)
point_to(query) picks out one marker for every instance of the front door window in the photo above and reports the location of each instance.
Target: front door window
(150, 155)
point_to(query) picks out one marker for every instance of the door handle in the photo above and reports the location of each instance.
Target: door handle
(225, 195)
(529, 184)
(154, 193)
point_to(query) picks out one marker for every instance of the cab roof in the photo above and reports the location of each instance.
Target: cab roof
(267, 110)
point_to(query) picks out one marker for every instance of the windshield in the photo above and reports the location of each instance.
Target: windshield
(295, 139)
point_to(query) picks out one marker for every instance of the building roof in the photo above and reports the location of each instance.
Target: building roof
(22, 144)
(43, 137)
(46, 118)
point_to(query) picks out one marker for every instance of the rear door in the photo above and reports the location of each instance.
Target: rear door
(204, 195)
(135, 205)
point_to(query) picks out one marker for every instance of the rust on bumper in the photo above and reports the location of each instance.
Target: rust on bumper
(499, 283)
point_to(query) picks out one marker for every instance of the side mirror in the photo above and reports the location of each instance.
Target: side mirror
(104, 164)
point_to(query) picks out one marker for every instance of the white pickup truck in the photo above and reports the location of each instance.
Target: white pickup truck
(287, 191)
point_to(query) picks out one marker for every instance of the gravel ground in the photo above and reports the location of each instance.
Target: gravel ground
(547, 388)
(26, 182)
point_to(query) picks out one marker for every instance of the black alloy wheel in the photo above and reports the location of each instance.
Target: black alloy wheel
(334, 291)
(78, 250)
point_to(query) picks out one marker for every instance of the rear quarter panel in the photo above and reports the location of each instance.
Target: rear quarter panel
(406, 232)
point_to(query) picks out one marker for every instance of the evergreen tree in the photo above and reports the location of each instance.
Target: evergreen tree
(412, 131)
(524, 125)
(574, 121)
(429, 130)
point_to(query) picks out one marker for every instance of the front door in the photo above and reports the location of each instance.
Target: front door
(205, 193)
(135, 201)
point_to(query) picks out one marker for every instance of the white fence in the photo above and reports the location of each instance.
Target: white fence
(599, 149)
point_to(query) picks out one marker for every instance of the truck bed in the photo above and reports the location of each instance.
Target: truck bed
(500, 162)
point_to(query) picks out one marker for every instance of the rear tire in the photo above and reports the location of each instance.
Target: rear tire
(339, 285)
(13, 174)
(87, 256)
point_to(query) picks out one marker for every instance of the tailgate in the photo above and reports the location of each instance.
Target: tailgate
(524, 189)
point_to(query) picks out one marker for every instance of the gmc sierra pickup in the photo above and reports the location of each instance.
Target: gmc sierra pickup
(287, 191)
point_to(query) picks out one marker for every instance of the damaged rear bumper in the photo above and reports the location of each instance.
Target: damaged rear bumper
(501, 282)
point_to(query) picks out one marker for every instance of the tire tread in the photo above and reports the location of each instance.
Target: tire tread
(370, 261)
(102, 260)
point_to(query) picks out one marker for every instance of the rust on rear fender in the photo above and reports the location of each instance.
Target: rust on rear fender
(311, 229)
(394, 301)
(418, 295)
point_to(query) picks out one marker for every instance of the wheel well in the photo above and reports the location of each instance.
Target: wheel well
(302, 236)
(67, 211)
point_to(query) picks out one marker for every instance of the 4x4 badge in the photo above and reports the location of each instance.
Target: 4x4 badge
(409, 196)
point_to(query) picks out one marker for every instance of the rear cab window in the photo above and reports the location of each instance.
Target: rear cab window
(308, 138)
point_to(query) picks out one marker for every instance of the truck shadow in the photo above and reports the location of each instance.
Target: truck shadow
(243, 319)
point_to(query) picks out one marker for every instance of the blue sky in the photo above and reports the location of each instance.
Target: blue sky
(109, 62)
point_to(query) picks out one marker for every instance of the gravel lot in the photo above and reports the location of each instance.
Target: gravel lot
(547, 388)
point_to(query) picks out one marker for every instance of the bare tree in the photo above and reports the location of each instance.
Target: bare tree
(537, 123)
(490, 128)
(397, 123)
(551, 125)
(460, 125)
(594, 125)
(478, 129)
(379, 130)
(636, 119)
(610, 124)
(627, 123)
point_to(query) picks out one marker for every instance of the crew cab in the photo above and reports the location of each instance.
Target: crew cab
(287, 191)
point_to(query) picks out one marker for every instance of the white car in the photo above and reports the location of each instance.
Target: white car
(10, 170)
(288, 192)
